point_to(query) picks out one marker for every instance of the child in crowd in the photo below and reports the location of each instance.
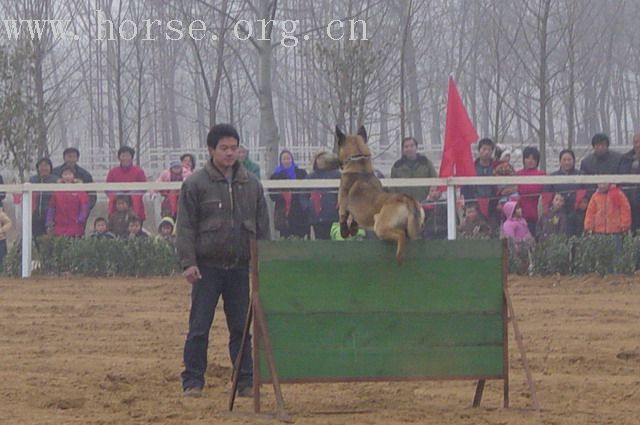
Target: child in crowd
(608, 212)
(435, 209)
(165, 230)
(516, 230)
(515, 226)
(135, 228)
(100, 230)
(582, 202)
(505, 169)
(496, 217)
(175, 173)
(5, 226)
(474, 225)
(119, 220)
(554, 221)
(67, 211)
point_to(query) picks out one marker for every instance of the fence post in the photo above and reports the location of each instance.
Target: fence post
(451, 211)
(26, 230)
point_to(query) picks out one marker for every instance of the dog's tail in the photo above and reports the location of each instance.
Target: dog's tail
(416, 218)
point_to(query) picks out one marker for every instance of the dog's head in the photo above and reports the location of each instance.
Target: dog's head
(353, 153)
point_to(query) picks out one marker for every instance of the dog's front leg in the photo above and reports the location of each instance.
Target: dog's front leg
(343, 214)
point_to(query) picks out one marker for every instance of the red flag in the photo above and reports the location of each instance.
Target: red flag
(459, 134)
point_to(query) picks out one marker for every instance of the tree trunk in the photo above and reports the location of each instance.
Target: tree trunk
(41, 132)
(269, 138)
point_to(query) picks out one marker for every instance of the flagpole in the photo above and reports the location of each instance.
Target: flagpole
(457, 160)
(451, 212)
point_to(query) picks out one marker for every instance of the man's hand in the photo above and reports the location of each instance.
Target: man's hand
(192, 274)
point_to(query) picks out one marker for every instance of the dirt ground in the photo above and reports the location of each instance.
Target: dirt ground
(108, 351)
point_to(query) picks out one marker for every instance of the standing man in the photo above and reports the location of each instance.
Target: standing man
(484, 166)
(70, 157)
(601, 160)
(412, 164)
(222, 207)
(124, 173)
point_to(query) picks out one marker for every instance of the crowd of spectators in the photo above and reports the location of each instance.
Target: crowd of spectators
(484, 211)
(65, 213)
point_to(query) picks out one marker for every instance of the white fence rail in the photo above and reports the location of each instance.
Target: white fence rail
(274, 185)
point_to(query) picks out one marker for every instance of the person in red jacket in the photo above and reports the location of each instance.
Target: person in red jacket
(124, 173)
(529, 193)
(68, 211)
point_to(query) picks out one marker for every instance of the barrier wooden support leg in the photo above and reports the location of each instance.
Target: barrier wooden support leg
(523, 353)
(256, 316)
(260, 319)
(240, 357)
(256, 357)
(477, 398)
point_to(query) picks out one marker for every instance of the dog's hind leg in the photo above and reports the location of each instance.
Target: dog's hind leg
(392, 234)
(415, 220)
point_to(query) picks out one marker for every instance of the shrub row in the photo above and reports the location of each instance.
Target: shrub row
(601, 254)
(96, 257)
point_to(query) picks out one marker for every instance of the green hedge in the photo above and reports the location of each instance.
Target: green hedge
(97, 257)
(601, 254)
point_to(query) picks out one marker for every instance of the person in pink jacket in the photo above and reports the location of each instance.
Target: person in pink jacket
(515, 226)
(124, 173)
(175, 173)
(68, 211)
(530, 193)
(516, 230)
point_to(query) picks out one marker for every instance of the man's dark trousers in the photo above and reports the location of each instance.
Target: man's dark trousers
(233, 285)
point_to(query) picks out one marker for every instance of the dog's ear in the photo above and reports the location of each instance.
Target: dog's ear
(339, 137)
(363, 133)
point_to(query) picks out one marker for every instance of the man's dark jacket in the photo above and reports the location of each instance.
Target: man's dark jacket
(216, 219)
(605, 164)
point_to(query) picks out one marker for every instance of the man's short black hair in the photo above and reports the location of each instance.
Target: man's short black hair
(531, 151)
(71, 150)
(124, 149)
(406, 139)
(220, 131)
(486, 141)
(600, 138)
(98, 220)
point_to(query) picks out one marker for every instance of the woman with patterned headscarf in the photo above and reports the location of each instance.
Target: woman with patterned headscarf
(290, 215)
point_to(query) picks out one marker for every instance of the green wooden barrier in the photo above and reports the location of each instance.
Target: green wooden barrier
(344, 311)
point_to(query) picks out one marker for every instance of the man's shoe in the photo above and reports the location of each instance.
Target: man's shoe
(245, 391)
(195, 392)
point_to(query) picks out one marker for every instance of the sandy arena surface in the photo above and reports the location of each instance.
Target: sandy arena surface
(108, 351)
